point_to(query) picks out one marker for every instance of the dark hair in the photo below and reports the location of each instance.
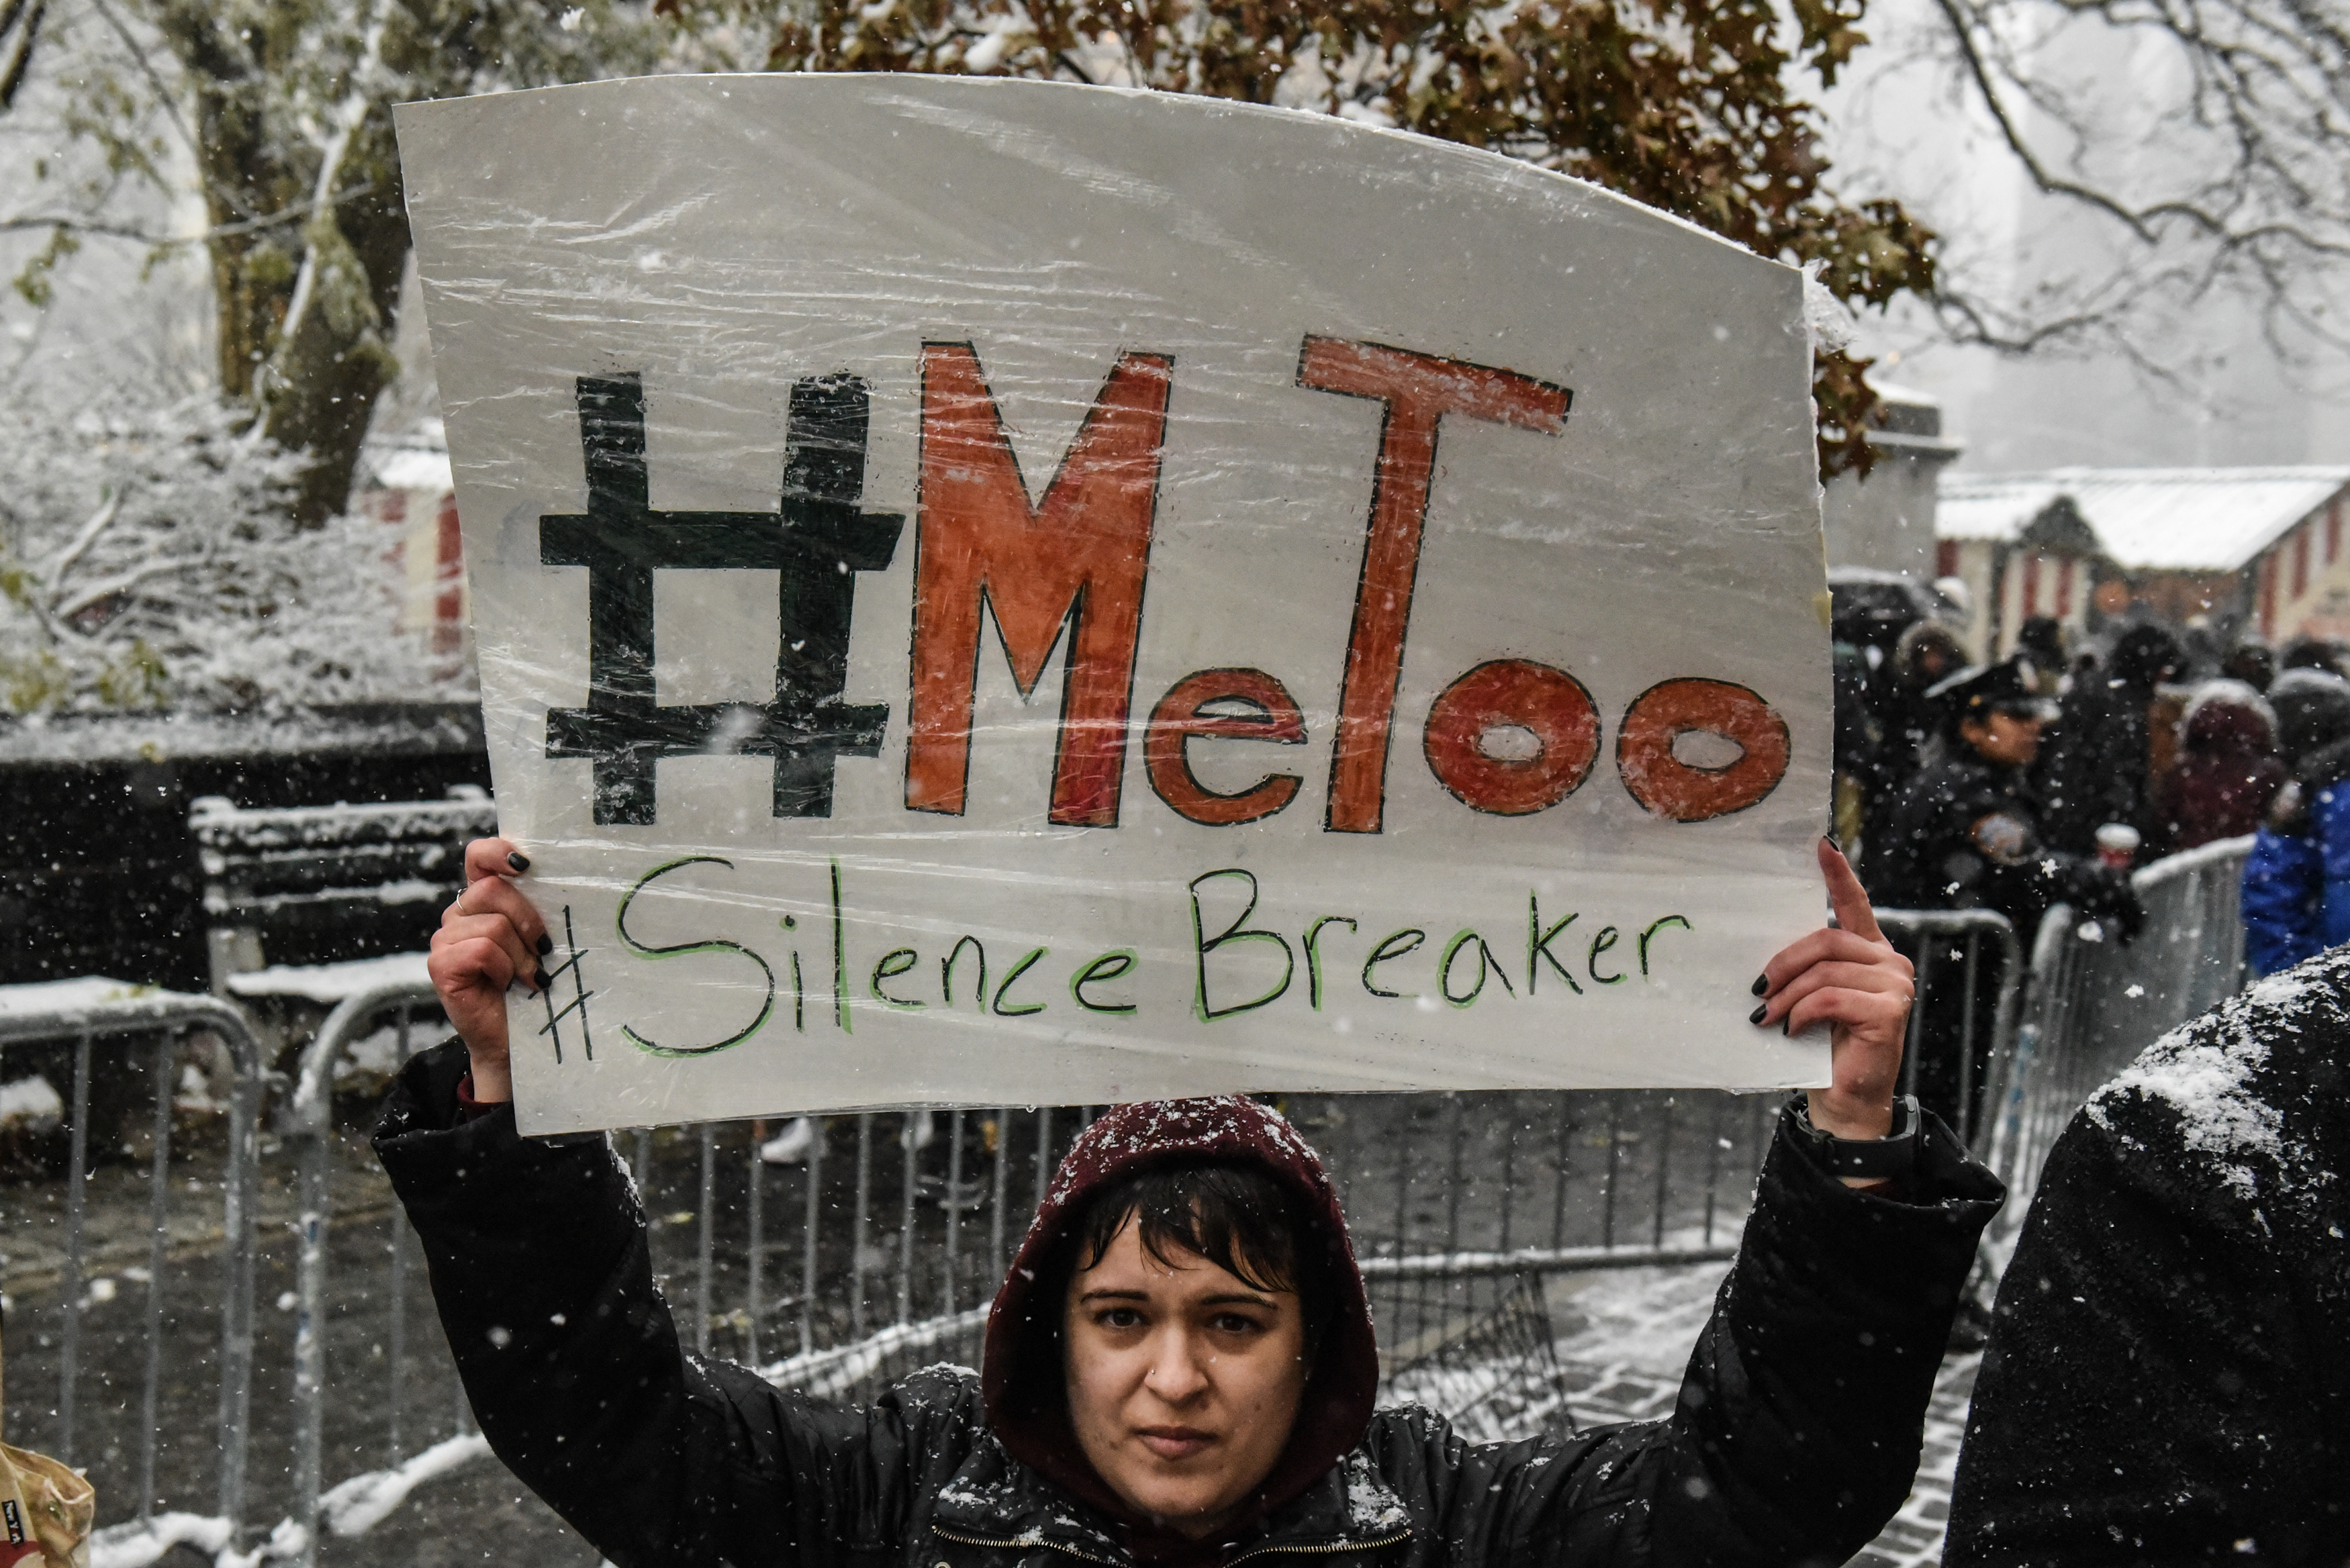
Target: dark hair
(1235, 1215)
(2309, 653)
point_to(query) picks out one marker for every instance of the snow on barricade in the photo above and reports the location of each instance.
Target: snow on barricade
(58, 1009)
(2219, 853)
(331, 982)
(827, 1373)
(143, 1541)
(362, 1502)
(353, 1508)
(81, 996)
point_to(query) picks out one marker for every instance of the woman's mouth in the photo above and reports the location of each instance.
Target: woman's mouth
(1174, 1442)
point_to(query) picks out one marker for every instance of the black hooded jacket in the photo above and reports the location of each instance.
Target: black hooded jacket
(2167, 1379)
(1797, 1435)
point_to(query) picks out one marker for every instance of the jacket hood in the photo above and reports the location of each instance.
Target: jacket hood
(1928, 652)
(1021, 1374)
(2312, 710)
(2228, 717)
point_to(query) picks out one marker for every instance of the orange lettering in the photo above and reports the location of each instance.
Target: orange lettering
(1512, 694)
(1267, 714)
(1418, 390)
(1077, 560)
(1685, 793)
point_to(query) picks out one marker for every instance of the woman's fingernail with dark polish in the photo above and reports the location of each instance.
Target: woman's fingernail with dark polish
(519, 860)
(1762, 983)
(1756, 1016)
(1784, 1025)
(546, 944)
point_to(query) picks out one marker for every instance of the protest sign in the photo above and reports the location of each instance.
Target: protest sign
(1000, 592)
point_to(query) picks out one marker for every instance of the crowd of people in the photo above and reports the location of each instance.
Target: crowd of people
(2048, 775)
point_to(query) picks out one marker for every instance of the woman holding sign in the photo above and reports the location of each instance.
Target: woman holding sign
(1180, 1364)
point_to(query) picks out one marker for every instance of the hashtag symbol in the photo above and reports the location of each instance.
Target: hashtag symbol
(579, 995)
(816, 541)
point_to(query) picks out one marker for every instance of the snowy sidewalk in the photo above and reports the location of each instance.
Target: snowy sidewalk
(1626, 1335)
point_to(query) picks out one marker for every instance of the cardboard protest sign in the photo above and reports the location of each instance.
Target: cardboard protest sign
(995, 592)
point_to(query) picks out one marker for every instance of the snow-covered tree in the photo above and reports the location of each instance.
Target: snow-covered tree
(276, 115)
(148, 558)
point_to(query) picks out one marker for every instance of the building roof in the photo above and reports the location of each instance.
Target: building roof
(2148, 519)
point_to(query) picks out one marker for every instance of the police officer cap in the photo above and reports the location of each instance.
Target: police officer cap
(2011, 686)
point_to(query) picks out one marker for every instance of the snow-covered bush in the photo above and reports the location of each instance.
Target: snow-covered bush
(147, 560)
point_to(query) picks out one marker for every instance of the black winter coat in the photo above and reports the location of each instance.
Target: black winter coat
(1797, 1436)
(2096, 768)
(1969, 834)
(2168, 1378)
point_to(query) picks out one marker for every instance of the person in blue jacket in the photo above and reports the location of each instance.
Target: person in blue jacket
(2296, 892)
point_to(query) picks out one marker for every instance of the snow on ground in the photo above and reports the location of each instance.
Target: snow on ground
(361, 1504)
(141, 1541)
(1626, 1334)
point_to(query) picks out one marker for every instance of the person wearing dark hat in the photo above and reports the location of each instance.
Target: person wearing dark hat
(2101, 764)
(1180, 1367)
(2040, 639)
(1969, 834)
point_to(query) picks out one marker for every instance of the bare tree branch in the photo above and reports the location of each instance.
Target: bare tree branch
(2232, 179)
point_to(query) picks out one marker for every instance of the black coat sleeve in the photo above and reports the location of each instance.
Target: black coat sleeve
(1803, 1409)
(2152, 1390)
(571, 1360)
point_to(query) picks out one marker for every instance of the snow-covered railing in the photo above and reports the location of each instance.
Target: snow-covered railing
(308, 1123)
(88, 1011)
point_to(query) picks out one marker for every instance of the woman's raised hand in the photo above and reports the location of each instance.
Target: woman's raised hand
(1848, 977)
(491, 939)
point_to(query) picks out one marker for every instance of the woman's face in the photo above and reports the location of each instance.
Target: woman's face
(2010, 740)
(1184, 1381)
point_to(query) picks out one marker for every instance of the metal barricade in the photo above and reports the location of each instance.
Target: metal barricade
(1949, 949)
(86, 1012)
(1464, 1206)
(2095, 1002)
(1460, 1200)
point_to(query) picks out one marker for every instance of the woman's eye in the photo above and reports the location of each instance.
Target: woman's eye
(1119, 1318)
(1237, 1323)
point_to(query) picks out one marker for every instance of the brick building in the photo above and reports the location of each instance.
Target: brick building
(2254, 548)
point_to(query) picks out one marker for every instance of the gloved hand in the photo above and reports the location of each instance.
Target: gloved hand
(2104, 893)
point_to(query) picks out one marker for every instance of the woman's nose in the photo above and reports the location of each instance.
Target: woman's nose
(1177, 1372)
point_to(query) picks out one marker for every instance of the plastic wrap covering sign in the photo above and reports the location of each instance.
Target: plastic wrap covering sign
(995, 592)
